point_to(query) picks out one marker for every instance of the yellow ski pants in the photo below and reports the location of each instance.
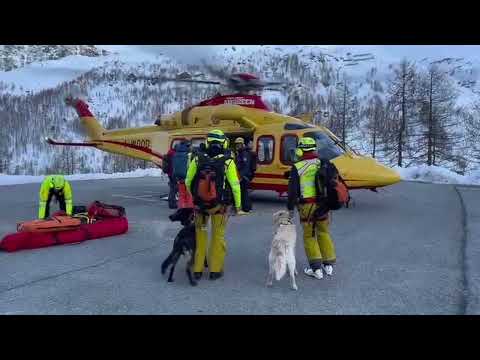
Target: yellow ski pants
(218, 245)
(319, 246)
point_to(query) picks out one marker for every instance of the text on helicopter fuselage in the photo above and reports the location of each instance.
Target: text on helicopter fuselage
(145, 143)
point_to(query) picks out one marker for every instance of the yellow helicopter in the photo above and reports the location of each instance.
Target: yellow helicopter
(273, 136)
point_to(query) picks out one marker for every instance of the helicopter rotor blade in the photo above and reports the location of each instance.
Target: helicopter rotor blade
(273, 89)
(220, 73)
(197, 81)
(133, 78)
(155, 79)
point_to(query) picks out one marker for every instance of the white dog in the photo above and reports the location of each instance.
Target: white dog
(282, 253)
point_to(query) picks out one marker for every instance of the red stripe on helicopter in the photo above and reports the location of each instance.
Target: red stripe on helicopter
(82, 109)
(136, 147)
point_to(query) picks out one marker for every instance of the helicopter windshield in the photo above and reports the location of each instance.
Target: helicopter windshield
(326, 147)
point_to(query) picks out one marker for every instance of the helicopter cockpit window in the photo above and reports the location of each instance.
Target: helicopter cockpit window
(326, 147)
(265, 149)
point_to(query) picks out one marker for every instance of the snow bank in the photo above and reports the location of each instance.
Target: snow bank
(423, 173)
(26, 179)
(438, 175)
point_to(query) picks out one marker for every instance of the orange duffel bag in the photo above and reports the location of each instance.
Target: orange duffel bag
(56, 223)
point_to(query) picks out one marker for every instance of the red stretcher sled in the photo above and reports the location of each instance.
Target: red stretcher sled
(110, 220)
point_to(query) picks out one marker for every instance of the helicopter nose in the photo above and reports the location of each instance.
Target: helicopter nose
(361, 171)
(386, 175)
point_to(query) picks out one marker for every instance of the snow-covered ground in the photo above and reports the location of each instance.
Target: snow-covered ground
(428, 174)
(26, 179)
(438, 175)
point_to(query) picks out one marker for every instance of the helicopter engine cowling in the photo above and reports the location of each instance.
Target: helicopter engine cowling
(206, 116)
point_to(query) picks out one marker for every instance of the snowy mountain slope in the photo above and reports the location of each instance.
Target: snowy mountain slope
(17, 56)
(315, 74)
(36, 77)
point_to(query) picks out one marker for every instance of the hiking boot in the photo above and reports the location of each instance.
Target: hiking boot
(197, 275)
(328, 269)
(317, 274)
(215, 275)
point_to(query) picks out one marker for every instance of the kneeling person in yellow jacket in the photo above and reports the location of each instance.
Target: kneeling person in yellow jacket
(55, 185)
(209, 176)
(302, 192)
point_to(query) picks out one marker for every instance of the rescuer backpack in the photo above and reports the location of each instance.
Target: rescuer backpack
(180, 162)
(208, 187)
(330, 188)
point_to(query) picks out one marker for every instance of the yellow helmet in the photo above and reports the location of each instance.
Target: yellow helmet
(239, 140)
(217, 136)
(307, 144)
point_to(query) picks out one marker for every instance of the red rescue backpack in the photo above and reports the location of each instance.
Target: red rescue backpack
(331, 190)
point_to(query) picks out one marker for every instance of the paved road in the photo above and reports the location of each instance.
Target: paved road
(410, 249)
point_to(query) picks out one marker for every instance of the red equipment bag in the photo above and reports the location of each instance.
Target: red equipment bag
(35, 240)
(185, 199)
(99, 210)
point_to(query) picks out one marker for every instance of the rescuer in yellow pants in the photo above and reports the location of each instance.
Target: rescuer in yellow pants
(197, 182)
(302, 192)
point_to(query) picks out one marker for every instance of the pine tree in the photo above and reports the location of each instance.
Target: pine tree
(345, 110)
(439, 118)
(375, 123)
(472, 133)
(401, 108)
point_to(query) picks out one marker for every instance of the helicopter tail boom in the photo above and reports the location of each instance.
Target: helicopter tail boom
(63, 143)
(95, 131)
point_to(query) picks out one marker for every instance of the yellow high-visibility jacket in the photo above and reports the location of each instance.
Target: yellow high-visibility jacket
(45, 189)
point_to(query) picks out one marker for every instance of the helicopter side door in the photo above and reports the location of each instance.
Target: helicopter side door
(269, 175)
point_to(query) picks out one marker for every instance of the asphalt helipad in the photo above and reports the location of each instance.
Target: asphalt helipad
(412, 248)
